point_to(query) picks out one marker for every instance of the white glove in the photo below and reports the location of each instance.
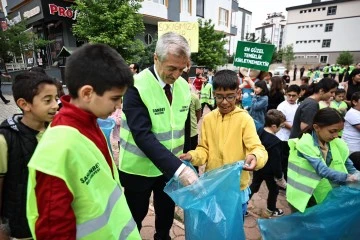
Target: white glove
(188, 176)
(280, 182)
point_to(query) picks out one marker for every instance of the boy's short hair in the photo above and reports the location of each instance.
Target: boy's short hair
(340, 91)
(26, 85)
(355, 97)
(262, 84)
(305, 79)
(99, 66)
(225, 79)
(274, 116)
(294, 88)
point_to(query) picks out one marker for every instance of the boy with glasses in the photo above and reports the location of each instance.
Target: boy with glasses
(228, 134)
(288, 108)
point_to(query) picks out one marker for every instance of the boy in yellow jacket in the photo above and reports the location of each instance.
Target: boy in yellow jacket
(228, 134)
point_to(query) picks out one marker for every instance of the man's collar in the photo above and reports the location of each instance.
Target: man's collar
(162, 83)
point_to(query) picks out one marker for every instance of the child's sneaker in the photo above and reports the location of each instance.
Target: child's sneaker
(277, 213)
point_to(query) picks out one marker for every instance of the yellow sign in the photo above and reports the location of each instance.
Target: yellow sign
(189, 30)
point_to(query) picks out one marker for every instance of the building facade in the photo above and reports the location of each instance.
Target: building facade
(272, 30)
(226, 15)
(48, 19)
(320, 31)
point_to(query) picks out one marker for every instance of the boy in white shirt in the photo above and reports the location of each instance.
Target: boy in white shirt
(288, 108)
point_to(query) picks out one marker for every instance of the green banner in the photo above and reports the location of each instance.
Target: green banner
(253, 55)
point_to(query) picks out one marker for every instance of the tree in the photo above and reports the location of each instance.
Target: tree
(211, 46)
(250, 37)
(345, 58)
(16, 41)
(115, 23)
(288, 55)
(147, 58)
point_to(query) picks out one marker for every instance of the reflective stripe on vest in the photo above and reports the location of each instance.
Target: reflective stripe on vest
(167, 123)
(303, 181)
(99, 207)
(95, 224)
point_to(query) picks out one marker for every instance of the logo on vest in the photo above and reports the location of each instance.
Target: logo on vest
(158, 111)
(184, 108)
(90, 174)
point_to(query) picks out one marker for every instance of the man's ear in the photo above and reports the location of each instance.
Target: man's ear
(23, 104)
(85, 93)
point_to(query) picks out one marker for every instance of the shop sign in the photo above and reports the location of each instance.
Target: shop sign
(62, 12)
(32, 12)
(15, 20)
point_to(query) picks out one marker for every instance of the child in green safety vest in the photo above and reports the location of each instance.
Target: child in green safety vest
(338, 102)
(72, 166)
(206, 95)
(318, 162)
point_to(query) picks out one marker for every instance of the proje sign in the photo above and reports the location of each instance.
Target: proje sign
(62, 12)
(254, 55)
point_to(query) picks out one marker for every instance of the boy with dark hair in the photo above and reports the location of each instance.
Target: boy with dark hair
(288, 108)
(36, 95)
(72, 166)
(228, 134)
(272, 171)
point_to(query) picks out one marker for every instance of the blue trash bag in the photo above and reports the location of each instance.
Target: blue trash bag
(337, 217)
(106, 126)
(213, 205)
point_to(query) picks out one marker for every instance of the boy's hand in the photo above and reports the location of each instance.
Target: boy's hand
(185, 157)
(188, 176)
(250, 162)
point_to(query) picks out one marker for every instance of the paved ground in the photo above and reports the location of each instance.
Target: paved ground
(257, 204)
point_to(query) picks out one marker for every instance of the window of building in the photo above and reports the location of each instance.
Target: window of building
(312, 26)
(326, 43)
(305, 41)
(309, 10)
(186, 6)
(299, 27)
(148, 39)
(319, 9)
(321, 25)
(323, 59)
(304, 11)
(307, 26)
(323, 8)
(329, 27)
(297, 42)
(332, 10)
(314, 10)
(200, 8)
(159, 1)
(316, 25)
(318, 40)
(223, 17)
(301, 11)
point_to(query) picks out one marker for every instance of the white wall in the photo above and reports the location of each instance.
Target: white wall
(344, 9)
(344, 37)
(153, 9)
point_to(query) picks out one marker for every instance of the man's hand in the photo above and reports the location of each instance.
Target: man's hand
(250, 162)
(185, 156)
(188, 176)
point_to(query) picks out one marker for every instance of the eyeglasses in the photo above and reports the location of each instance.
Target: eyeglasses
(220, 98)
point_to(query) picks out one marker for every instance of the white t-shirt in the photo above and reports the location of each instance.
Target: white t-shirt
(289, 111)
(351, 134)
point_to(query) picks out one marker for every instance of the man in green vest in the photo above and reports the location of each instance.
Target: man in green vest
(152, 133)
(326, 70)
(74, 190)
(342, 70)
(206, 95)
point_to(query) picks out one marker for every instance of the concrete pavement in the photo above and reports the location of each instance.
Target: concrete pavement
(256, 207)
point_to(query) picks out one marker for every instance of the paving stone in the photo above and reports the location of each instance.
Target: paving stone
(147, 232)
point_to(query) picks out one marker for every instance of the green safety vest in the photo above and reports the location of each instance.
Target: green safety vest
(99, 205)
(167, 123)
(309, 74)
(337, 106)
(206, 94)
(303, 181)
(351, 68)
(326, 69)
(342, 70)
